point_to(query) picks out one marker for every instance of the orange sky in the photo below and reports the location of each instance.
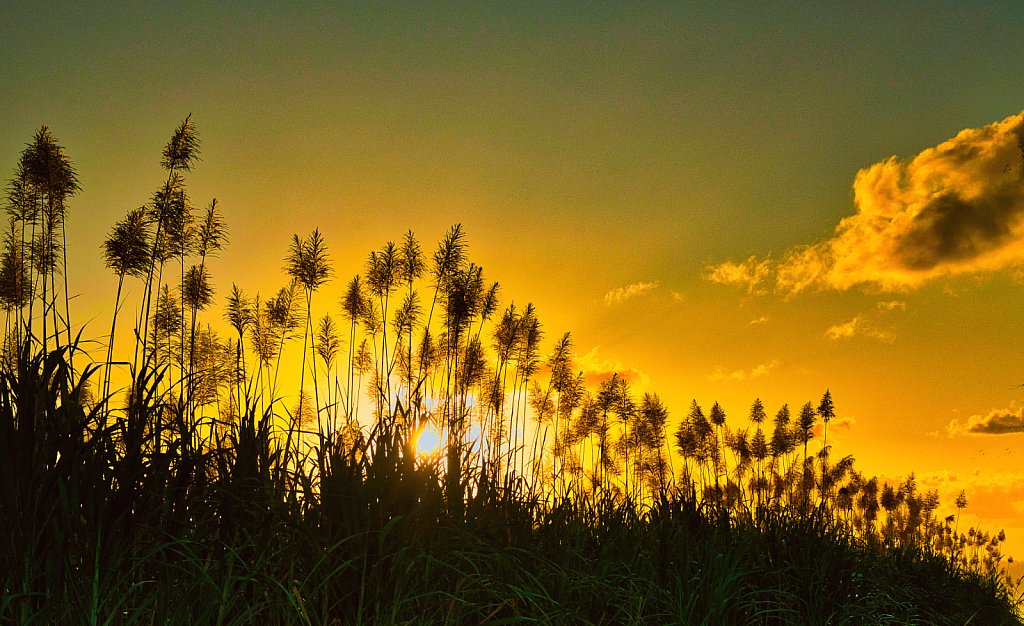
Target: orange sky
(730, 203)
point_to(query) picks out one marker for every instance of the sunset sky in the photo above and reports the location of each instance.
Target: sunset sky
(725, 202)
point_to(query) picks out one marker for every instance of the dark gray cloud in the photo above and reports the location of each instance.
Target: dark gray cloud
(950, 230)
(997, 422)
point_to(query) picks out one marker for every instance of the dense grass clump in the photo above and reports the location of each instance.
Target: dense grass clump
(103, 525)
(193, 491)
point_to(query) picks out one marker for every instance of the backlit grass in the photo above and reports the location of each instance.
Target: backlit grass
(180, 481)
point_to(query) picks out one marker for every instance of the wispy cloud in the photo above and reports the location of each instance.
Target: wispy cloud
(957, 208)
(760, 370)
(749, 274)
(856, 326)
(596, 369)
(997, 422)
(847, 329)
(760, 320)
(997, 497)
(892, 306)
(835, 425)
(621, 294)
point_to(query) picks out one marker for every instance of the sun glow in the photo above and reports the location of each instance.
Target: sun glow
(428, 441)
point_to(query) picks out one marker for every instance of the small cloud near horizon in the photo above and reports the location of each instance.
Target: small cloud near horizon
(955, 209)
(760, 370)
(597, 369)
(892, 306)
(997, 422)
(997, 496)
(835, 425)
(856, 326)
(621, 294)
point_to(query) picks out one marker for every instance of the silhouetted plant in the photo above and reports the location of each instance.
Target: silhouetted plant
(308, 265)
(37, 198)
(126, 251)
(197, 292)
(171, 212)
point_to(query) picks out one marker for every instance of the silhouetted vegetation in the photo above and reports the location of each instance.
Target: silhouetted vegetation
(192, 487)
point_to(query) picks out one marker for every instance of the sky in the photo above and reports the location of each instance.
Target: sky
(725, 201)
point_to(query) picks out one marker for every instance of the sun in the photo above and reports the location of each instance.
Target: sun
(428, 441)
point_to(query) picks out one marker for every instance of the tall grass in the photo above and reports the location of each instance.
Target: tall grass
(197, 494)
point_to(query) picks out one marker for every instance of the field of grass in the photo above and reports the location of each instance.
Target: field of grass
(177, 482)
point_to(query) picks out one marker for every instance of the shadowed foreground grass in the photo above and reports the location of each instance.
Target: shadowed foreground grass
(128, 523)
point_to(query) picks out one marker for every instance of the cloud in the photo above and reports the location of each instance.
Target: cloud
(760, 370)
(621, 294)
(997, 422)
(750, 274)
(856, 326)
(957, 208)
(891, 306)
(997, 497)
(763, 369)
(596, 369)
(835, 426)
(843, 330)
(760, 320)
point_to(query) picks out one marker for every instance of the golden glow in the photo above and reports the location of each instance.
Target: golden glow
(428, 441)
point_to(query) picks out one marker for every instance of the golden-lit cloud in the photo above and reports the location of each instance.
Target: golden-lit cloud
(997, 496)
(892, 306)
(760, 320)
(856, 326)
(995, 501)
(847, 329)
(621, 294)
(997, 422)
(957, 208)
(596, 369)
(760, 370)
(750, 274)
(835, 425)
